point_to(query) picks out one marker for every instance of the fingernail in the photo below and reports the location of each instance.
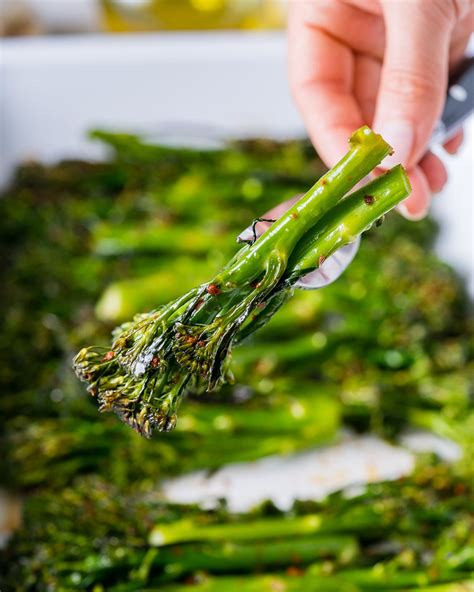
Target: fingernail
(399, 134)
(412, 216)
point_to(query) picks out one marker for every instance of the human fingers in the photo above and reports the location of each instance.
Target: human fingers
(435, 172)
(367, 72)
(414, 75)
(321, 70)
(453, 144)
(416, 206)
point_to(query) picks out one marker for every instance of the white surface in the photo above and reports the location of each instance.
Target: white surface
(422, 441)
(308, 475)
(53, 90)
(313, 474)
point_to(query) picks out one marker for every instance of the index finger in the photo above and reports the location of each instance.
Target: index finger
(321, 70)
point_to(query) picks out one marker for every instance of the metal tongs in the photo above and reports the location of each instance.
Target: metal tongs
(459, 105)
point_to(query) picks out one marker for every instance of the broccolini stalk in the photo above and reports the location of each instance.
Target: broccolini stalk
(361, 518)
(395, 535)
(282, 424)
(339, 227)
(367, 150)
(186, 343)
(368, 579)
(173, 563)
(343, 223)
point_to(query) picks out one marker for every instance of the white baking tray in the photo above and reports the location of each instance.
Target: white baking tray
(56, 89)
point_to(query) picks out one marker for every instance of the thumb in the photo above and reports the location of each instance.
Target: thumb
(414, 75)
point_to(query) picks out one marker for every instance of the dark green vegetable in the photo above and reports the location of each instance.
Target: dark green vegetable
(382, 340)
(385, 348)
(53, 451)
(155, 358)
(397, 535)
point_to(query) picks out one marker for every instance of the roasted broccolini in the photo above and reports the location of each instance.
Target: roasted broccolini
(406, 534)
(186, 343)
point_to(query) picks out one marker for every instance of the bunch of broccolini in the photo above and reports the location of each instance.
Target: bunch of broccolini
(404, 535)
(387, 347)
(384, 348)
(186, 343)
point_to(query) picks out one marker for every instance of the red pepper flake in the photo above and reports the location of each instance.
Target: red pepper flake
(108, 356)
(294, 571)
(190, 339)
(255, 284)
(213, 290)
(294, 215)
(261, 305)
(321, 260)
(155, 362)
(201, 343)
(369, 199)
(324, 182)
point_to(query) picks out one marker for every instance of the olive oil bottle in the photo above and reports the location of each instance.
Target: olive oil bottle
(168, 15)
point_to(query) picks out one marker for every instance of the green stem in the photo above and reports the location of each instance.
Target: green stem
(173, 563)
(345, 581)
(233, 557)
(367, 150)
(188, 530)
(261, 318)
(153, 238)
(354, 215)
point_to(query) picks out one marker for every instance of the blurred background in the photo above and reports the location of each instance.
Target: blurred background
(129, 130)
(35, 17)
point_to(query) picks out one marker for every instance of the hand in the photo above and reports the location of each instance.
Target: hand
(384, 63)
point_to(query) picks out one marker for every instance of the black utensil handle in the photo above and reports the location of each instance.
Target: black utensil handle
(459, 102)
